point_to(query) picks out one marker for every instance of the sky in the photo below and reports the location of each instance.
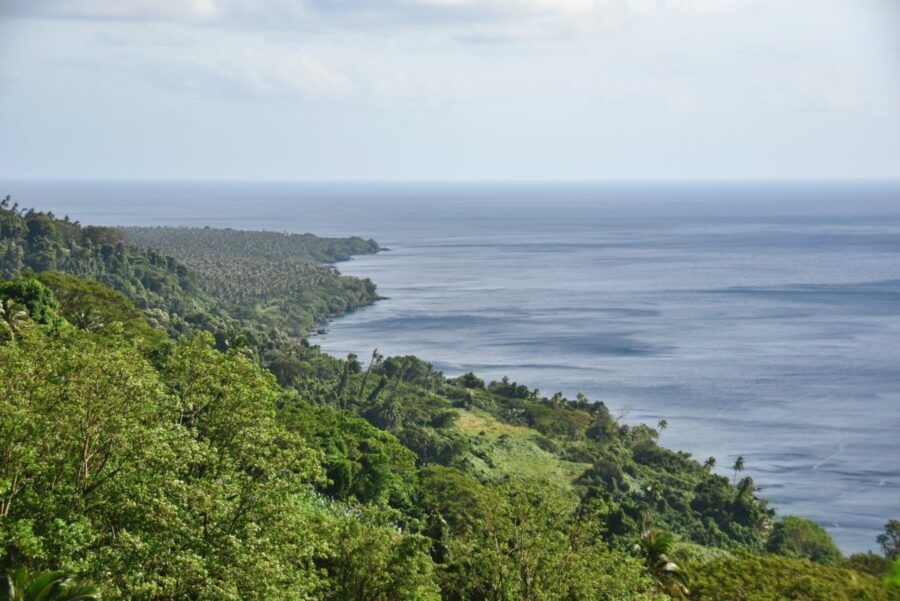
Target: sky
(449, 89)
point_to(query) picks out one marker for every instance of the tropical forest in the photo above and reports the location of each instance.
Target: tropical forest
(169, 431)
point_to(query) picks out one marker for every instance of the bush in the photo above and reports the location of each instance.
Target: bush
(801, 538)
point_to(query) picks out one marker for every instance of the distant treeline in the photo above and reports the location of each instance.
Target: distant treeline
(283, 278)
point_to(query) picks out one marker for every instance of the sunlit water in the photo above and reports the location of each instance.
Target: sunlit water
(758, 320)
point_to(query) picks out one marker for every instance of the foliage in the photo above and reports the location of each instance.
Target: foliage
(892, 578)
(34, 297)
(868, 563)
(369, 559)
(797, 537)
(657, 548)
(890, 539)
(361, 462)
(775, 578)
(49, 586)
(173, 439)
(268, 277)
(235, 288)
(522, 541)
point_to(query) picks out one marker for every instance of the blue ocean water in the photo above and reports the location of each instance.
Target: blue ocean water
(760, 319)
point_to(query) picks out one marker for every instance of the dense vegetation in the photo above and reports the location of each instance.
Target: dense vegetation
(162, 462)
(263, 284)
(278, 279)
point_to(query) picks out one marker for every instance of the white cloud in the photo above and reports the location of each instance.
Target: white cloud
(448, 88)
(242, 73)
(499, 18)
(117, 9)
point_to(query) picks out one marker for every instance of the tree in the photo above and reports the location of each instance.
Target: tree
(662, 425)
(710, 464)
(657, 547)
(26, 297)
(738, 467)
(890, 540)
(369, 559)
(389, 414)
(777, 578)
(798, 537)
(12, 316)
(49, 586)
(376, 359)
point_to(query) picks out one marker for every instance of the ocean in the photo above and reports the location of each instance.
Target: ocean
(758, 319)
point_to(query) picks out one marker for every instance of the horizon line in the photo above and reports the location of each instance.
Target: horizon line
(484, 181)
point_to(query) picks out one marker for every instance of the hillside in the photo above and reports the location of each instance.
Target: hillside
(202, 279)
(280, 280)
(164, 441)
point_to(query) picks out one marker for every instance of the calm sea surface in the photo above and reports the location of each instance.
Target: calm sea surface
(760, 320)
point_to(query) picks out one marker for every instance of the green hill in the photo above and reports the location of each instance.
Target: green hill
(163, 439)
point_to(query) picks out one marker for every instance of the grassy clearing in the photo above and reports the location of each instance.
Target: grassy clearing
(501, 450)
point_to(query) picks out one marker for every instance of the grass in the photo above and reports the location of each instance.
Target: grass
(505, 450)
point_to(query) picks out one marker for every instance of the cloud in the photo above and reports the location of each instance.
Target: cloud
(122, 9)
(242, 74)
(477, 18)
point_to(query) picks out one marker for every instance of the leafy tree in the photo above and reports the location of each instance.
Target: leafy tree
(470, 380)
(890, 539)
(369, 559)
(868, 563)
(33, 296)
(522, 540)
(801, 538)
(362, 463)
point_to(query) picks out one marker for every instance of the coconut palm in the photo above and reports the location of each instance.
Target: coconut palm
(710, 464)
(737, 467)
(656, 547)
(49, 586)
(390, 414)
(377, 358)
(662, 425)
(11, 317)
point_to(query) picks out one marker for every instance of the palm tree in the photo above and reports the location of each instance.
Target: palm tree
(737, 467)
(49, 586)
(657, 546)
(11, 318)
(710, 464)
(376, 359)
(662, 425)
(390, 414)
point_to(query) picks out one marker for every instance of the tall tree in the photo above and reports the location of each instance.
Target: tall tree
(890, 539)
(738, 466)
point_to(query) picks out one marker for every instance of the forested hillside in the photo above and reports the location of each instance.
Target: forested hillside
(275, 278)
(265, 279)
(221, 459)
